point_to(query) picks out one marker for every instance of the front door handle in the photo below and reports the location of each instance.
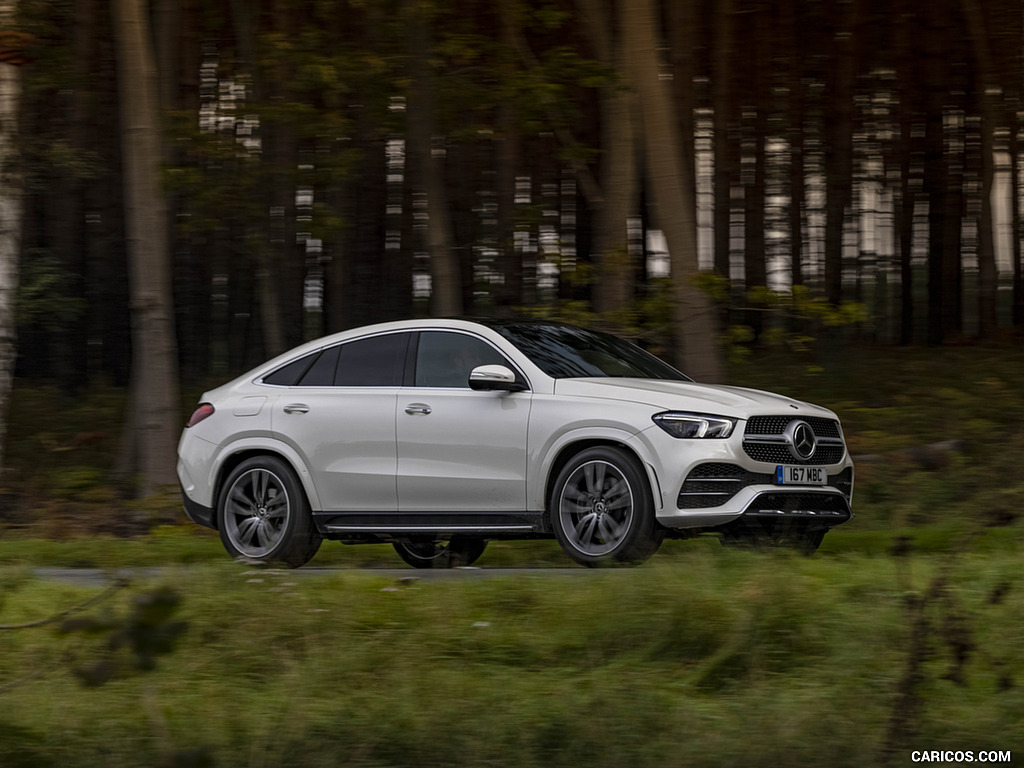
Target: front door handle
(414, 408)
(296, 408)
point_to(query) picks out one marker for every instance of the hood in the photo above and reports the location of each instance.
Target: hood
(738, 402)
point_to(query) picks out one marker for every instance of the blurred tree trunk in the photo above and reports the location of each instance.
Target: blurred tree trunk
(619, 198)
(907, 79)
(671, 199)
(149, 444)
(1015, 218)
(426, 154)
(839, 147)
(10, 205)
(726, 156)
(985, 83)
(509, 293)
(69, 235)
(795, 135)
(755, 129)
(280, 269)
(943, 172)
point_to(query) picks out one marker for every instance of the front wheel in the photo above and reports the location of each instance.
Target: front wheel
(457, 552)
(263, 515)
(601, 509)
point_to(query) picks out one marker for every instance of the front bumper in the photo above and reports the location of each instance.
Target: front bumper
(707, 484)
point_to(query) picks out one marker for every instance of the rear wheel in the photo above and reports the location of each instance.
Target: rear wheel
(601, 509)
(457, 552)
(263, 515)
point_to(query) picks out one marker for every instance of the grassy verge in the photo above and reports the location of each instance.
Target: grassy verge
(709, 657)
(186, 544)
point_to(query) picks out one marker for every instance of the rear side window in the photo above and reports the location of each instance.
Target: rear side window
(321, 372)
(289, 375)
(374, 362)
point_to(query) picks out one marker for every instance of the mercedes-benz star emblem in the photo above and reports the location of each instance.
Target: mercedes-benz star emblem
(802, 441)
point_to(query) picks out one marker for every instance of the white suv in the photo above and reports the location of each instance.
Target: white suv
(439, 435)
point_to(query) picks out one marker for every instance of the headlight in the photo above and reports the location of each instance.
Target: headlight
(694, 425)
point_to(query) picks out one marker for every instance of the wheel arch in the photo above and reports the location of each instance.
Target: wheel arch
(566, 453)
(243, 452)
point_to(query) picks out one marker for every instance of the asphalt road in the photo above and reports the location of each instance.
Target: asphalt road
(99, 577)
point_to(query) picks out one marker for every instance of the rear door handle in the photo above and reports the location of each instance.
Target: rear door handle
(414, 408)
(296, 408)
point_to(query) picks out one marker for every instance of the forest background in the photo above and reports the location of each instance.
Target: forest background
(192, 188)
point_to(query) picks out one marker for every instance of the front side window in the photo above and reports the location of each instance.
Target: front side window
(445, 359)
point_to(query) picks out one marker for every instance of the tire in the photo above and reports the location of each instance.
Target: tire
(263, 515)
(457, 552)
(602, 511)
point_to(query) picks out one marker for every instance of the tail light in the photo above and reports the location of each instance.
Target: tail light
(204, 410)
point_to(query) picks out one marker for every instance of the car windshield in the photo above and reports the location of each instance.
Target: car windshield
(565, 352)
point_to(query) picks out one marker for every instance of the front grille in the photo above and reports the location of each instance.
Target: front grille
(715, 483)
(765, 440)
(776, 425)
(779, 454)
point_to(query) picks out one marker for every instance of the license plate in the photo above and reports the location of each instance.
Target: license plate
(791, 475)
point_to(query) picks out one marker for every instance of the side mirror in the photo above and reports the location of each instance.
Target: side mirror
(494, 378)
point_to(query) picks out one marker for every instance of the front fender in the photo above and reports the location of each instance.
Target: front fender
(544, 459)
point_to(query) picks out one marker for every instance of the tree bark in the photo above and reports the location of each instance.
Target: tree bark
(154, 407)
(672, 198)
(10, 219)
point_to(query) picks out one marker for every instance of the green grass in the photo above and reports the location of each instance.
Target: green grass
(707, 657)
(188, 544)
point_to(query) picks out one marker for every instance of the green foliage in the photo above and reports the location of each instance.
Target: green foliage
(43, 288)
(796, 320)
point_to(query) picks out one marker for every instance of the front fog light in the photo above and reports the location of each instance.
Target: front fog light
(695, 425)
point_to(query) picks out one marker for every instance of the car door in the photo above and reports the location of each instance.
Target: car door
(340, 417)
(459, 450)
